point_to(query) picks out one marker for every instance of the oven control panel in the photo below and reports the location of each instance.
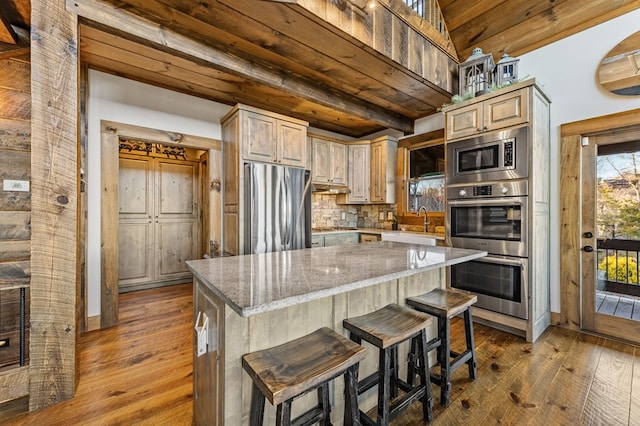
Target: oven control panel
(483, 191)
(517, 188)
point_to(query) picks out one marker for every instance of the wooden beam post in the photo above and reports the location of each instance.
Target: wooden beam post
(54, 171)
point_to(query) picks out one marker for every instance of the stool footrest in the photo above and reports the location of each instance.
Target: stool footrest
(309, 418)
(460, 359)
(399, 405)
(367, 383)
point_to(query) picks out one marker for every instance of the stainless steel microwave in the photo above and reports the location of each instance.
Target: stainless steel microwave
(494, 156)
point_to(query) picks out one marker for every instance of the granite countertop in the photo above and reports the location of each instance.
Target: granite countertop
(257, 283)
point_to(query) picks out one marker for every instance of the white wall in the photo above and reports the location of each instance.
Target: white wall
(125, 101)
(567, 72)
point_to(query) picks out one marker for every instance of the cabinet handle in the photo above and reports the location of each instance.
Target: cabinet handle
(4, 343)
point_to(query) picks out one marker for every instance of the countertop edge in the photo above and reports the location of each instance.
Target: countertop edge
(319, 294)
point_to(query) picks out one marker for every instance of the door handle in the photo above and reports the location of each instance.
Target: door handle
(588, 235)
(588, 249)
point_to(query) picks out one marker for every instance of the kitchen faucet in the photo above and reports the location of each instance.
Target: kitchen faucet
(426, 222)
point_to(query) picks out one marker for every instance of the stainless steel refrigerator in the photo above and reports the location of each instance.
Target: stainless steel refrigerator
(278, 208)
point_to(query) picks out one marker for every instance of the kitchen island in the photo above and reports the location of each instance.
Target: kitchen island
(247, 303)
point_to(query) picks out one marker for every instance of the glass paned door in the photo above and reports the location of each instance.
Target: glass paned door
(611, 225)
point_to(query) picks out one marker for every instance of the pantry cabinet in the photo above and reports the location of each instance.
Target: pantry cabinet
(495, 113)
(329, 164)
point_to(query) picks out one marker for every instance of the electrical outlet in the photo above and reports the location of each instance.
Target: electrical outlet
(381, 216)
(344, 216)
(389, 215)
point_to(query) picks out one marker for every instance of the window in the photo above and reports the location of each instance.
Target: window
(425, 186)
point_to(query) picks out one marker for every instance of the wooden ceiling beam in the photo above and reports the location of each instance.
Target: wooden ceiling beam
(159, 37)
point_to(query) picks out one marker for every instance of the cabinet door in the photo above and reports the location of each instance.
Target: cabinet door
(359, 159)
(338, 163)
(317, 241)
(341, 239)
(321, 170)
(465, 121)
(378, 173)
(259, 138)
(369, 238)
(506, 110)
(292, 144)
(384, 157)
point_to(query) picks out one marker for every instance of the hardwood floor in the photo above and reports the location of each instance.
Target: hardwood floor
(140, 373)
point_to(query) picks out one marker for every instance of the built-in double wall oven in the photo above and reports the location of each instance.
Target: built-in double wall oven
(487, 202)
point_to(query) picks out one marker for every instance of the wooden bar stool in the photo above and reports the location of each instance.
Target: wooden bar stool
(292, 369)
(385, 329)
(445, 304)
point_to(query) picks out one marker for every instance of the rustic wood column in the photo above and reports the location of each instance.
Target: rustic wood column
(54, 219)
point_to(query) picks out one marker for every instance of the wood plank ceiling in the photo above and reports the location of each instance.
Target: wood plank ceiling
(331, 93)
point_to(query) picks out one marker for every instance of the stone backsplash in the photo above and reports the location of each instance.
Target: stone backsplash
(326, 213)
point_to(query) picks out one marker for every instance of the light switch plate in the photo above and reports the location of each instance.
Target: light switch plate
(389, 215)
(15, 185)
(381, 216)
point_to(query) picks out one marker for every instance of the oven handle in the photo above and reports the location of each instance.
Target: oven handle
(512, 201)
(501, 261)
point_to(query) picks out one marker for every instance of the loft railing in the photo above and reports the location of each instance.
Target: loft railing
(430, 11)
(619, 264)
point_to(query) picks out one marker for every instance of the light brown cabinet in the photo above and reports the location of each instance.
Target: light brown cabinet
(384, 158)
(329, 164)
(369, 238)
(372, 172)
(494, 113)
(269, 137)
(358, 181)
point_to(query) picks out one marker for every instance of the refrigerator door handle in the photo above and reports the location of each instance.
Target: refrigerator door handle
(283, 219)
(287, 212)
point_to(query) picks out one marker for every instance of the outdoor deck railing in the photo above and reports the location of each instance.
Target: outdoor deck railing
(618, 261)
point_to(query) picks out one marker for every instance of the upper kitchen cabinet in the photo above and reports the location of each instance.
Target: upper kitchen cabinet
(492, 113)
(384, 158)
(269, 137)
(329, 164)
(372, 172)
(359, 179)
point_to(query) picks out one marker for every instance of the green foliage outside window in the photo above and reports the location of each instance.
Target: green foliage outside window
(620, 269)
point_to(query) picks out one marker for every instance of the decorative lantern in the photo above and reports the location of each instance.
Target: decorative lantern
(475, 73)
(506, 70)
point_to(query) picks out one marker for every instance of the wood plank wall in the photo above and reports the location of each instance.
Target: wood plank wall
(15, 206)
(15, 164)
